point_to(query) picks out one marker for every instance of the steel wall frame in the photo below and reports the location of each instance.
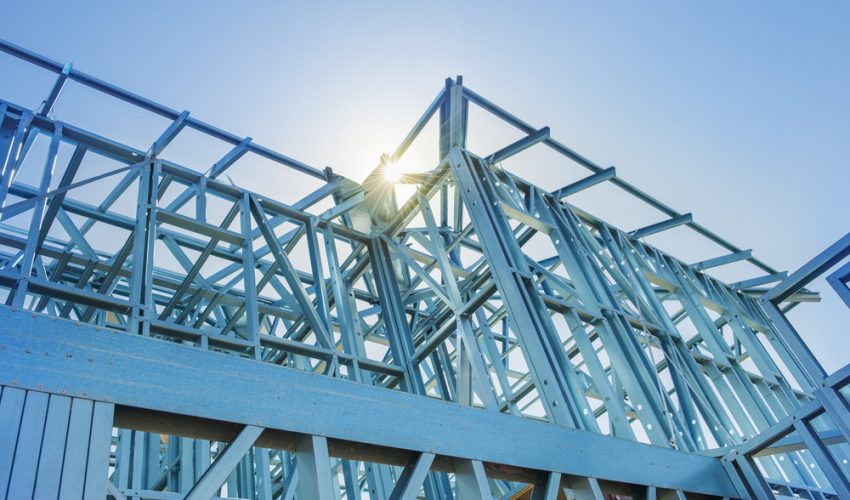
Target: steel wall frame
(436, 297)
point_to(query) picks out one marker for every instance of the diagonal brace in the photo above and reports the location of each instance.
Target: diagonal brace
(412, 478)
(291, 275)
(217, 473)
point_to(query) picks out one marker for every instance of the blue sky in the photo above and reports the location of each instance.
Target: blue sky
(736, 112)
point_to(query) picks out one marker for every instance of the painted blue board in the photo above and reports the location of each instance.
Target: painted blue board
(22, 481)
(149, 373)
(76, 450)
(11, 410)
(53, 447)
(97, 466)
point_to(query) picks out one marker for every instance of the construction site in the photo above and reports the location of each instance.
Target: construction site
(168, 334)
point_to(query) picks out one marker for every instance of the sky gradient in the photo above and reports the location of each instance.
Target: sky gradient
(738, 113)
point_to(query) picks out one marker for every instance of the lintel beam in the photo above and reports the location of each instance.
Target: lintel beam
(82, 362)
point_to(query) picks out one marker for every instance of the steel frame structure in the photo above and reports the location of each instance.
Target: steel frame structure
(220, 343)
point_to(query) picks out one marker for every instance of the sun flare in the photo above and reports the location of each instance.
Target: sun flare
(392, 173)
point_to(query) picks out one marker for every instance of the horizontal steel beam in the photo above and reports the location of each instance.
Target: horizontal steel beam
(587, 182)
(759, 280)
(617, 181)
(57, 356)
(722, 260)
(795, 443)
(662, 226)
(154, 107)
(188, 176)
(519, 146)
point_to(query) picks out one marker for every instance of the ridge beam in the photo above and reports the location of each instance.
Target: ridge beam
(722, 260)
(662, 226)
(587, 182)
(519, 146)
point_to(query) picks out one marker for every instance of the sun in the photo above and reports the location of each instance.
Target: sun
(392, 173)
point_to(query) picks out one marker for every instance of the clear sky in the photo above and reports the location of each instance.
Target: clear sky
(736, 112)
